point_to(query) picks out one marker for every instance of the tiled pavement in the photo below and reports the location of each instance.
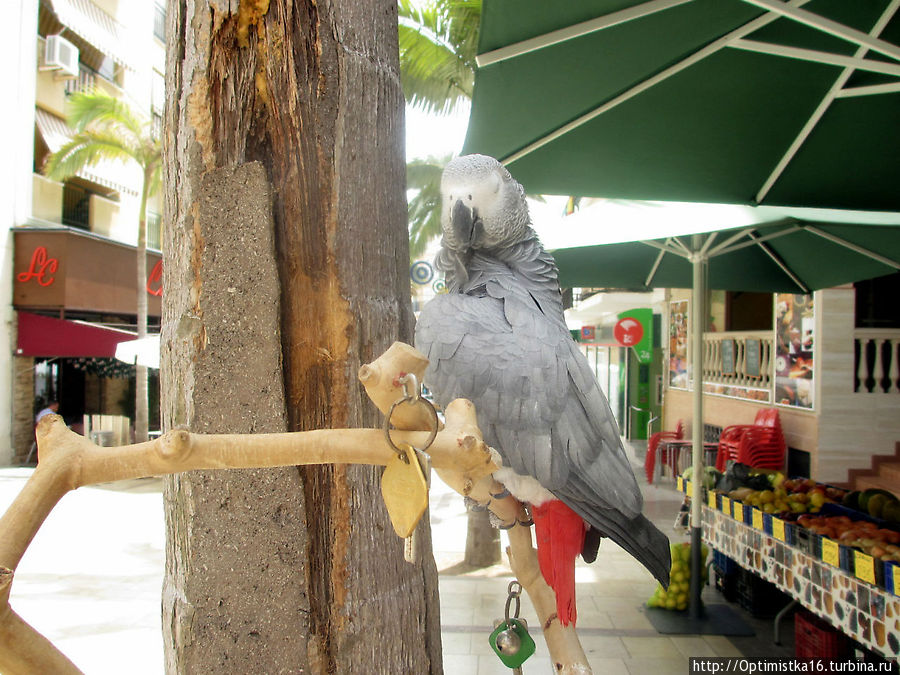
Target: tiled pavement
(108, 596)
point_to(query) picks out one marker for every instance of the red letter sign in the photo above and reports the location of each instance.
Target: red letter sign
(155, 276)
(42, 268)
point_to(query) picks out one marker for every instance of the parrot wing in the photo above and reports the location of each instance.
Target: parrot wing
(537, 400)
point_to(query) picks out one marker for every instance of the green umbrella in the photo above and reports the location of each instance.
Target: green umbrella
(726, 101)
(735, 101)
(783, 255)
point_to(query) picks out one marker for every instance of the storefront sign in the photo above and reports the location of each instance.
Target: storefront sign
(628, 332)
(794, 339)
(42, 268)
(588, 333)
(678, 322)
(154, 279)
(65, 269)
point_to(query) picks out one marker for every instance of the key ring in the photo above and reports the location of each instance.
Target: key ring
(513, 594)
(412, 393)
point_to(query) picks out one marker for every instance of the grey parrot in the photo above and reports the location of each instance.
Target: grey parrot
(498, 337)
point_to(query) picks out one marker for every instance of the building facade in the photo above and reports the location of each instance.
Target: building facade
(68, 291)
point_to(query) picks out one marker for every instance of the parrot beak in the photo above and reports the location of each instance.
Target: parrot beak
(463, 220)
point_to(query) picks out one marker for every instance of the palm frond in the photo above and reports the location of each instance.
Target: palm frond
(84, 150)
(101, 111)
(424, 208)
(438, 43)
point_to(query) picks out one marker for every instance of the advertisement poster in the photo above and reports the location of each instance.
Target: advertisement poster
(794, 338)
(678, 344)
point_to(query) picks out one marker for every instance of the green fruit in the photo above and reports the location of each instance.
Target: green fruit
(868, 494)
(875, 504)
(891, 511)
(851, 499)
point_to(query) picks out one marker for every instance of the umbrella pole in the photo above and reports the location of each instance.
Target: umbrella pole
(698, 261)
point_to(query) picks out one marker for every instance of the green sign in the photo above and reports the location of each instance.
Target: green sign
(644, 348)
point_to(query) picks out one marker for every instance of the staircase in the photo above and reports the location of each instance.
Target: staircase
(884, 473)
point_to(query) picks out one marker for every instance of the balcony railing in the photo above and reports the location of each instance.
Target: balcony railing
(876, 363)
(733, 364)
(159, 23)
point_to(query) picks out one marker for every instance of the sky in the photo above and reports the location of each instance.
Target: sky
(438, 136)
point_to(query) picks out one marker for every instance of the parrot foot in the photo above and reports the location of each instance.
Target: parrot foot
(502, 494)
(472, 505)
(499, 524)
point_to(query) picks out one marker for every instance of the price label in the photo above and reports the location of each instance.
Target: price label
(865, 567)
(831, 552)
(711, 499)
(778, 529)
(737, 511)
(757, 519)
(895, 571)
(689, 488)
(726, 505)
(679, 482)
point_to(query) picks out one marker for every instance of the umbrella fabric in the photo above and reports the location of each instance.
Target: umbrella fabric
(141, 352)
(783, 256)
(731, 101)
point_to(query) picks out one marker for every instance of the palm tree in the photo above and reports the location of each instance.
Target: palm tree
(107, 128)
(423, 209)
(438, 44)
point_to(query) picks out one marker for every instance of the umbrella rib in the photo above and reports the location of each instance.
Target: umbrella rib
(574, 31)
(717, 250)
(820, 110)
(834, 28)
(654, 268)
(778, 261)
(699, 55)
(759, 238)
(869, 90)
(854, 247)
(816, 56)
(667, 247)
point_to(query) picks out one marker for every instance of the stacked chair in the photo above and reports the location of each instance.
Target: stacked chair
(760, 444)
(653, 446)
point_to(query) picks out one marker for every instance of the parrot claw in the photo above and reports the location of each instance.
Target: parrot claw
(503, 494)
(472, 505)
(499, 524)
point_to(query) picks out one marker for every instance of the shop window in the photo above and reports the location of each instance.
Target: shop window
(876, 302)
(748, 311)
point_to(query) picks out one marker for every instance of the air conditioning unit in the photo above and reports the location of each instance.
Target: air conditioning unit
(61, 55)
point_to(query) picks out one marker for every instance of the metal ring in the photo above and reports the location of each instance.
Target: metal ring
(387, 425)
(513, 594)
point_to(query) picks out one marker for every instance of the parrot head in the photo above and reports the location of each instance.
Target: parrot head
(482, 205)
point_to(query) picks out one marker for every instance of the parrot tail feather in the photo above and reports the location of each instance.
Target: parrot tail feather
(560, 538)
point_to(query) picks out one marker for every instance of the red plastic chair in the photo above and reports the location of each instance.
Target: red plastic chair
(653, 444)
(760, 444)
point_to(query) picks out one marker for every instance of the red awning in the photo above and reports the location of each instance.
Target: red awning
(45, 336)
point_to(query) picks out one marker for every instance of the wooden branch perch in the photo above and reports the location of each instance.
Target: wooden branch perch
(458, 454)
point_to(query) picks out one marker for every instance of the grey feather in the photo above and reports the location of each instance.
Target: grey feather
(499, 338)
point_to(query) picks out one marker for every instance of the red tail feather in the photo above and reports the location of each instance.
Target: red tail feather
(560, 538)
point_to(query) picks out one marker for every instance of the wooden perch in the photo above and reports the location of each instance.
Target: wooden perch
(69, 461)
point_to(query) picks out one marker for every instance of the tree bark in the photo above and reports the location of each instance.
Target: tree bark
(482, 540)
(310, 91)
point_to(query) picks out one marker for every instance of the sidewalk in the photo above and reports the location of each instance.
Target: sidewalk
(95, 590)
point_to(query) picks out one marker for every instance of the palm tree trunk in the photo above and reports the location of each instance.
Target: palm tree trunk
(141, 405)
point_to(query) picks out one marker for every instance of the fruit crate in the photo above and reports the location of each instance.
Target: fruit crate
(808, 542)
(815, 638)
(759, 597)
(726, 573)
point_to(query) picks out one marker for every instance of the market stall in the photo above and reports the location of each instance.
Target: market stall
(855, 591)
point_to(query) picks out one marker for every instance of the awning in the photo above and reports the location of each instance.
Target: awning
(45, 336)
(95, 26)
(56, 133)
